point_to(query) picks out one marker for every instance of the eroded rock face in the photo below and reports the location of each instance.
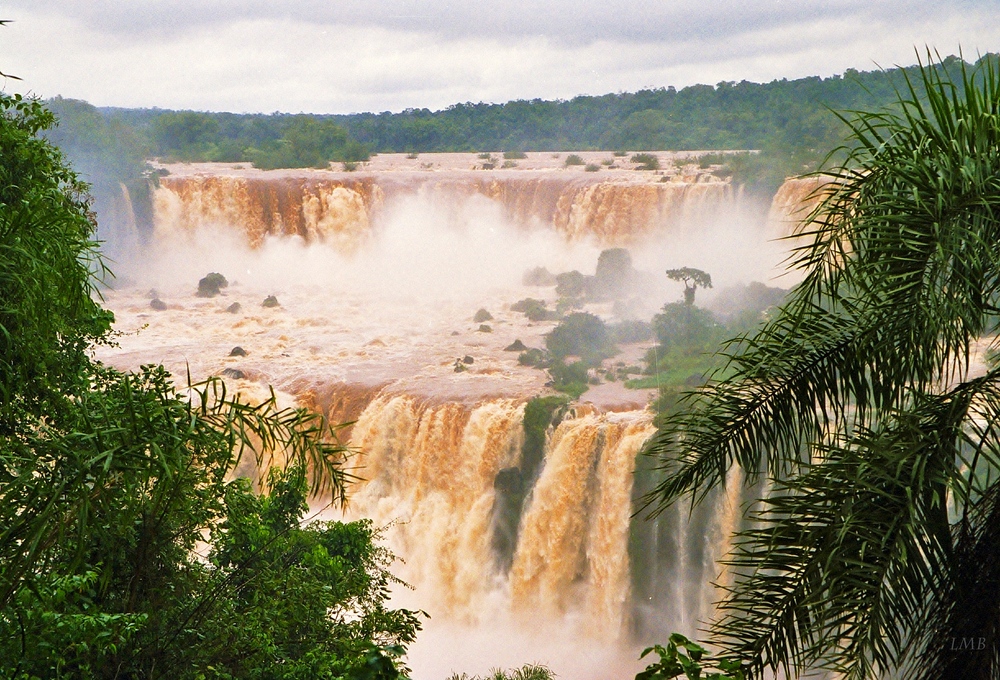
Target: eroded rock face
(158, 304)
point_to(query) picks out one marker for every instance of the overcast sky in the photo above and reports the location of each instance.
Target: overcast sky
(343, 56)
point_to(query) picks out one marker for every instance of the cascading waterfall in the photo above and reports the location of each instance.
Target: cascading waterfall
(490, 529)
(341, 211)
(431, 472)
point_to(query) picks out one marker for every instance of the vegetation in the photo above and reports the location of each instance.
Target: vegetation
(646, 161)
(570, 284)
(526, 672)
(683, 657)
(786, 120)
(212, 284)
(692, 279)
(307, 142)
(534, 309)
(875, 554)
(580, 334)
(573, 159)
(124, 550)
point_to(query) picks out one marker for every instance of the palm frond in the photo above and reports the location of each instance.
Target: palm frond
(839, 569)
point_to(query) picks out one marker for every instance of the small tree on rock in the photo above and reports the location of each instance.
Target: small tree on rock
(692, 279)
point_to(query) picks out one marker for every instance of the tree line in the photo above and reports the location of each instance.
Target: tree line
(789, 121)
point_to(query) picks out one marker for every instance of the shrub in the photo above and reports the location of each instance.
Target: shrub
(527, 672)
(630, 331)
(211, 285)
(687, 328)
(570, 284)
(620, 154)
(565, 304)
(514, 155)
(507, 165)
(580, 334)
(646, 161)
(571, 379)
(592, 167)
(534, 357)
(573, 159)
(534, 309)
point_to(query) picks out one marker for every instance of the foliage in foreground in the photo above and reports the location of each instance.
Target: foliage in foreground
(125, 551)
(876, 551)
(526, 672)
(683, 657)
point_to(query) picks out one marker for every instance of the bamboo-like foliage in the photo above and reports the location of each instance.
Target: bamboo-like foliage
(857, 401)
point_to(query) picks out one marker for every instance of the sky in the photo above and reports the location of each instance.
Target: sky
(346, 56)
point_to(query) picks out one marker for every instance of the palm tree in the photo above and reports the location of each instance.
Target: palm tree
(864, 405)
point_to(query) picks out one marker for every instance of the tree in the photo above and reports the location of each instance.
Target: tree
(878, 549)
(110, 483)
(185, 134)
(583, 335)
(687, 328)
(692, 278)
(308, 141)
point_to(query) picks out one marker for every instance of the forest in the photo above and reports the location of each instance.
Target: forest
(791, 122)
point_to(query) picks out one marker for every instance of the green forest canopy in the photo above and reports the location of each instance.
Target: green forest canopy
(789, 120)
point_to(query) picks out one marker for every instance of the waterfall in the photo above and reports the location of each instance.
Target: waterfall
(342, 210)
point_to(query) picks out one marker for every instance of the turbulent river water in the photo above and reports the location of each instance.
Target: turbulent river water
(377, 275)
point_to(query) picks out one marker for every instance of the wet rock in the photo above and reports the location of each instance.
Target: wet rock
(481, 316)
(516, 346)
(233, 373)
(455, 333)
(539, 276)
(158, 304)
(238, 352)
(485, 328)
(270, 301)
(467, 359)
(211, 285)
(509, 481)
(234, 308)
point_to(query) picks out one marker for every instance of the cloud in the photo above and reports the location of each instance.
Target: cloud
(391, 54)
